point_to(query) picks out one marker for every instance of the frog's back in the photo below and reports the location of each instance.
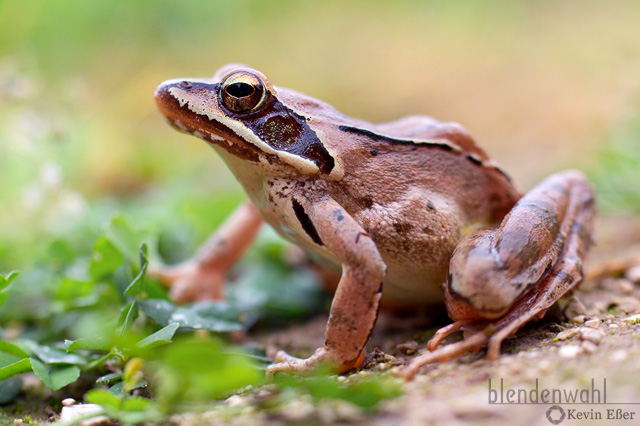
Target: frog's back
(386, 161)
(417, 187)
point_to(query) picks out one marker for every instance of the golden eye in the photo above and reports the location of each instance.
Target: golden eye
(242, 91)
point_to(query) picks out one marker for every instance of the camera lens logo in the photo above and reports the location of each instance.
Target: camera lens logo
(555, 414)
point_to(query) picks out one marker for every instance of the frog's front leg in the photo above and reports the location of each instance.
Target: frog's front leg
(356, 301)
(499, 280)
(202, 278)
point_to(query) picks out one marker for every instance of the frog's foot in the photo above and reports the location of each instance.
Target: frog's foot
(445, 353)
(202, 278)
(443, 332)
(190, 281)
(323, 360)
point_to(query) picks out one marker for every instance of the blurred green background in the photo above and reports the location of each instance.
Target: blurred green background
(541, 85)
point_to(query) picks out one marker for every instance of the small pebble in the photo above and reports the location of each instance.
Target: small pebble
(627, 303)
(235, 401)
(70, 413)
(592, 323)
(626, 287)
(17, 422)
(632, 318)
(408, 347)
(589, 347)
(382, 366)
(619, 355)
(297, 410)
(567, 334)
(569, 352)
(544, 366)
(68, 402)
(633, 274)
(579, 319)
(614, 326)
(618, 285)
(348, 412)
(263, 393)
(591, 335)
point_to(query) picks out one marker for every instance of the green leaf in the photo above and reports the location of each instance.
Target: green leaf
(108, 378)
(97, 342)
(106, 400)
(135, 403)
(106, 258)
(159, 310)
(17, 367)
(268, 289)
(70, 289)
(10, 348)
(125, 237)
(50, 355)
(367, 392)
(137, 286)
(199, 370)
(118, 389)
(9, 389)
(128, 314)
(220, 317)
(160, 337)
(11, 354)
(55, 377)
(5, 279)
(59, 253)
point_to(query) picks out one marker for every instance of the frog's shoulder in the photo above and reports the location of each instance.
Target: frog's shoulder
(424, 128)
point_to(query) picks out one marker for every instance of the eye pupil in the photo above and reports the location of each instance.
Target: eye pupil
(240, 90)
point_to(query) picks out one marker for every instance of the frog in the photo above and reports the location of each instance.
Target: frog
(409, 212)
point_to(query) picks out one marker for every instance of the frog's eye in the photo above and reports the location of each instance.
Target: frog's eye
(242, 91)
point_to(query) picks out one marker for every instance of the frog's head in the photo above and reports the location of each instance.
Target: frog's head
(240, 112)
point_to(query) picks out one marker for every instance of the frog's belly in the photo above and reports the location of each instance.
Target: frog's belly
(415, 270)
(404, 285)
(412, 287)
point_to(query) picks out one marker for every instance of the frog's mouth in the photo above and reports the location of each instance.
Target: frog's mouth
(178, 114)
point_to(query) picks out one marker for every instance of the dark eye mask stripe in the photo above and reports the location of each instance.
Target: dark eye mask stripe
(285, 130)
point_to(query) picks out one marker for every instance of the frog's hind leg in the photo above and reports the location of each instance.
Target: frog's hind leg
(500, 280)
(566, 274)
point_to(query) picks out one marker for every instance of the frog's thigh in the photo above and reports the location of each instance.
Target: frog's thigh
(356, 301)
(548, 231)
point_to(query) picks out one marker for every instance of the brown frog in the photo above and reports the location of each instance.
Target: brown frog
(412, 211)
